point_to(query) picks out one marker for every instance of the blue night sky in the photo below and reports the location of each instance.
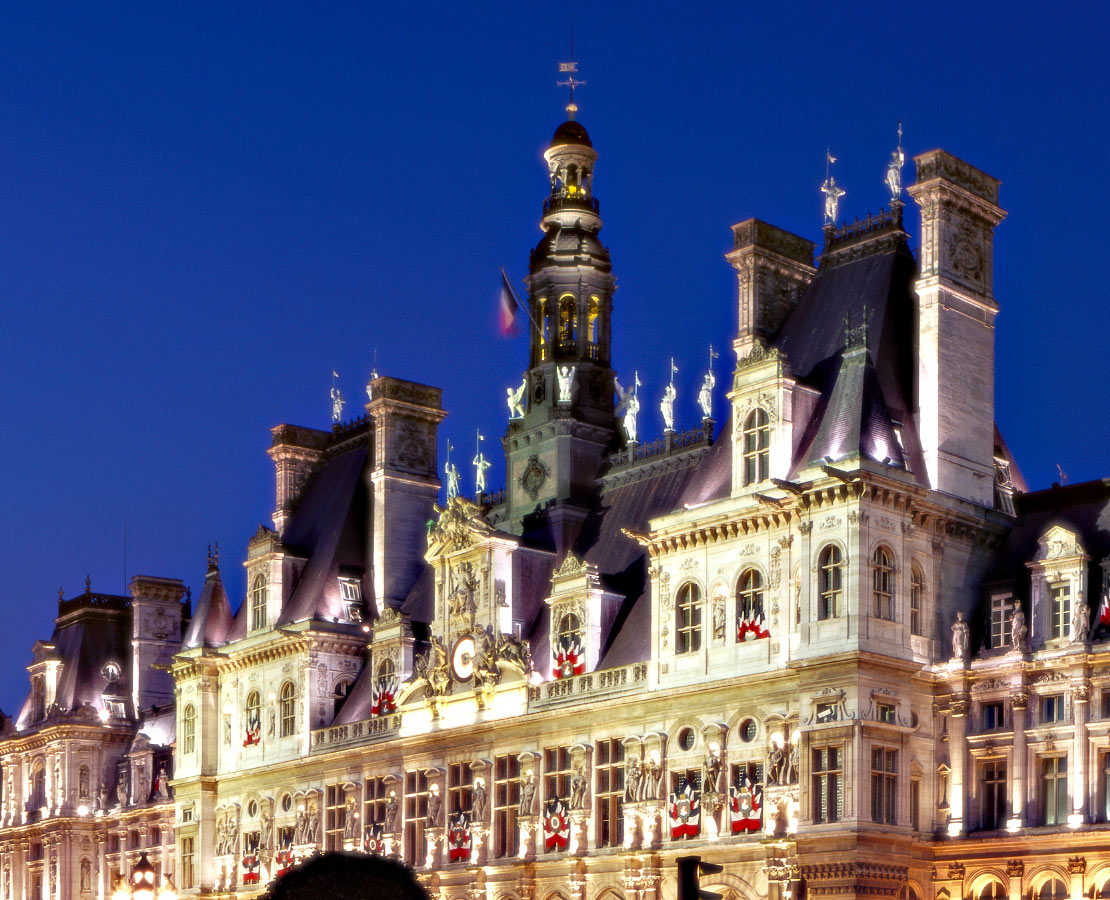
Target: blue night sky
(204, 211)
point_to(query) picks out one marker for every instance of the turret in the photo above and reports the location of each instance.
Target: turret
(555, 450)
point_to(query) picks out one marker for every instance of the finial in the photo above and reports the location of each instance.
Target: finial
(480, 465)
(216, 555)
(894, 169)
(61, 594)
(832, 191)
(88, 585)
(188, 594)
(337, 401)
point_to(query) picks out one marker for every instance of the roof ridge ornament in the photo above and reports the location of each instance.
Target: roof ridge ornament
(894, 170)
(832, 191)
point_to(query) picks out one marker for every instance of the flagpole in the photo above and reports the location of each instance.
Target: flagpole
(527, 312)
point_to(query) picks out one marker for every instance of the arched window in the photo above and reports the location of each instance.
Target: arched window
(907, 892)
(253, 719)
(917, 598)
(260, 597)
(688, 619)
(992, 890)
(545, 325)
(591, 324)
(38, 785)
(568, 319)
(385, 689)
(1053, 889)
(750, 620)
(189, 729)
(342, 689)
(288, 710)
(569, 627)
(38, 698)
(882, 582)
(830, 573)
(756, 451)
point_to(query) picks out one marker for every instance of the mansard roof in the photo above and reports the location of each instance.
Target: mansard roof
(864, 284)
(629, 499)
(91, 631)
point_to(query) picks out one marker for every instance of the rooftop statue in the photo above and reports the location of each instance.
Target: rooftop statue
(516, 400)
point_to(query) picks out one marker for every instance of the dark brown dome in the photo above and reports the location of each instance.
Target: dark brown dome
(571, 132)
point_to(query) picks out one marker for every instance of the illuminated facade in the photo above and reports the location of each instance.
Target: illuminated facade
(833, 644)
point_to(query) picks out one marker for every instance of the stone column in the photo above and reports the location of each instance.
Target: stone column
(1018, 702)
(1081, 697)
(957, 751)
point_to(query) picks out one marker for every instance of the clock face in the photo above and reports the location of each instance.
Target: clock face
(462, 658)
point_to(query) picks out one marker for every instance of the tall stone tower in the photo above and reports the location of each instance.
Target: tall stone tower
(555, 451)
(955, 330)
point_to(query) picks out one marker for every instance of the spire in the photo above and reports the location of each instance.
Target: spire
(212, 620)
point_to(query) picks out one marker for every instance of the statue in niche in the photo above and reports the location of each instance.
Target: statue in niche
(350, 827)
(122, 785)
(712, 773)
(313, 827)
(719, 618)
(142, 783)
(102, 796)
(578, 788)
(776, 763)
(1080, 621)
(527, 794)
(300, 828)
(792, 761)
(391, 813)
(267, 840)
(666, 406)
(633, 776)
(960, 637)
(83, 783)
(478, 798)
(434, 806)
(565, 375)
(86, 876)
(1019, 632)
(162, 784)
(516, 400)
(227, 729)
(653, 774)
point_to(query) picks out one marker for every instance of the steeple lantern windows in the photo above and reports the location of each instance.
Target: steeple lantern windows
(568, 325)
(260, 601)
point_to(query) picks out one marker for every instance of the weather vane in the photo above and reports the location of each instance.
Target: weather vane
(832, 191)
(570, 69)
(894, 169)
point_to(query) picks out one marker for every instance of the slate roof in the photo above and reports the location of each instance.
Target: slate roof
(91, 630)
(865, 282)
(212, 620)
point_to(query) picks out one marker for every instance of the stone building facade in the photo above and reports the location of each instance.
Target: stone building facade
(832, 643)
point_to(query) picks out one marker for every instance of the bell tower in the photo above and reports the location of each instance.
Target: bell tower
(555, 449)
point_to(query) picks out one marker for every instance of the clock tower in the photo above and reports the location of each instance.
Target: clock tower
(556, 447)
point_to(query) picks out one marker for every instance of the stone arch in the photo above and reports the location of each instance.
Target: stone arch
(741, 888)
(980, 879)
(1043, 874)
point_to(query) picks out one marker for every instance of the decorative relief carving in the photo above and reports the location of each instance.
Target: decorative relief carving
(990, 684)
(1077, 865)
(804, 528)
(1019, 700)
(1015, 868)
(534, 477)
(830, 522)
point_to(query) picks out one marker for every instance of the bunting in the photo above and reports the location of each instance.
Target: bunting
(372, 839)
(459, 837)
(556, 825)
(685, 810)
(569, 656)
(385, 696)
(746, 806)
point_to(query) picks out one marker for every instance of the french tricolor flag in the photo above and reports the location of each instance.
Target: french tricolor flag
(1104, 607)
(508, 307)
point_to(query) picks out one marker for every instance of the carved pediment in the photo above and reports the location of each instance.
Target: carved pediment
(1058, 543)
(456, 527)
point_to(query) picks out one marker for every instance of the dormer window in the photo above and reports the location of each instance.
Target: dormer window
(570, 658)
(350, 593)
(342, 689)
(1060, 625)
(38, 698)
(756, 451)
(385, 689)
(260, 599)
